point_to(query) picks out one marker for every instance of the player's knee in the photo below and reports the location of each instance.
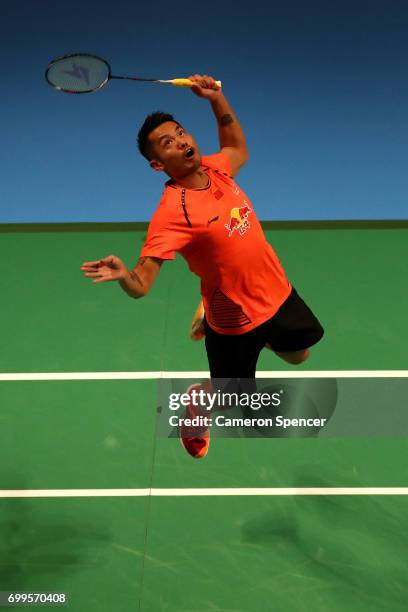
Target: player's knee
(294, 357)
(301, 356)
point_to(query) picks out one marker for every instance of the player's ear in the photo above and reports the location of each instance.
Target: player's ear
(155, 164)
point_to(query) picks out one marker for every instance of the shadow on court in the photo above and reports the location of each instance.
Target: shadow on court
(350, 550)
(39, 542)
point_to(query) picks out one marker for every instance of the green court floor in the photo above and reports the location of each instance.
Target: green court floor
(192, 554)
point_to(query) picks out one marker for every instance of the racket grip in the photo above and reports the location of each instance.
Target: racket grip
(188, 83)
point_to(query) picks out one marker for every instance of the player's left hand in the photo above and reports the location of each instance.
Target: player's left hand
(205, 86)
(107, 269)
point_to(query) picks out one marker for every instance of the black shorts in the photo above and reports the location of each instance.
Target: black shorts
(293, 327)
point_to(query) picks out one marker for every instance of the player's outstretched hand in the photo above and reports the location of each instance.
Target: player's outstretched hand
(205, 86)
(108, 269)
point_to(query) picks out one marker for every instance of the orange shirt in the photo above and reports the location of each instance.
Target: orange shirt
(217, 232)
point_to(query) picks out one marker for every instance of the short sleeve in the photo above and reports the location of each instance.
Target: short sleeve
(218, 161)
(164, 237)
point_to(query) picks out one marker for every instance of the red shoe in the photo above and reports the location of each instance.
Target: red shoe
(195, 438)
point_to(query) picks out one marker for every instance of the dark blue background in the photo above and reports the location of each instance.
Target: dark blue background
(320, 88)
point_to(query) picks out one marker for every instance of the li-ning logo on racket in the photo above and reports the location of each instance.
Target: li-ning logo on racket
(79, 72)
(238, 220)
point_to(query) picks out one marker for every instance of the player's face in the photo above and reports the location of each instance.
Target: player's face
(174, 150)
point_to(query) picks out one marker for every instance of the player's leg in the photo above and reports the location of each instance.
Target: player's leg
(294, 357)
(233, 356)
(197, 331)
(293, 330)
(232, 361)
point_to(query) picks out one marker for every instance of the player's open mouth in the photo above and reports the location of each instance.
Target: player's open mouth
(189, 153)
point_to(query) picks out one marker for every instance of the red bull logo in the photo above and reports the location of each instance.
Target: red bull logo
(239, 220)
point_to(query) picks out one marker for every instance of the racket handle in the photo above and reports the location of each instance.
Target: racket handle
(188, 83)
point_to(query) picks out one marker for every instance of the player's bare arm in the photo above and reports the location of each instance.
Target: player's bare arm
(136, 283)
(231, 135)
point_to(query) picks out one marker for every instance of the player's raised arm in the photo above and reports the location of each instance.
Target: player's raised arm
(231, 135)
(136, 283)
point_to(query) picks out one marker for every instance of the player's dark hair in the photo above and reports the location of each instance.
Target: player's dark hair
(151, 122)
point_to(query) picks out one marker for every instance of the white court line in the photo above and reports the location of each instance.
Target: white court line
(35, 376)
(36, 493)
(213, 492)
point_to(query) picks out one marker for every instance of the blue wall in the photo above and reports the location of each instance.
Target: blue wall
(321, 90)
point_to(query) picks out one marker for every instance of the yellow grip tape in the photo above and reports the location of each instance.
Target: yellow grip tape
(188, 83)
(182, 82)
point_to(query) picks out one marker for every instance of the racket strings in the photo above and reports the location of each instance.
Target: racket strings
(78, 74)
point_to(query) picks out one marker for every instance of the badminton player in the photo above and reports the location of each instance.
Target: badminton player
(247, 301)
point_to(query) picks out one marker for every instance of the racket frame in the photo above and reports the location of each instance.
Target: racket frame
(67, 56)
(106, 80)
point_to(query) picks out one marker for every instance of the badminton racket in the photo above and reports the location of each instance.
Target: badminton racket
(84, 72)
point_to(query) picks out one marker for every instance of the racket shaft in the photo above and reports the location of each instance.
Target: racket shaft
(177, 82)
(127, 78)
